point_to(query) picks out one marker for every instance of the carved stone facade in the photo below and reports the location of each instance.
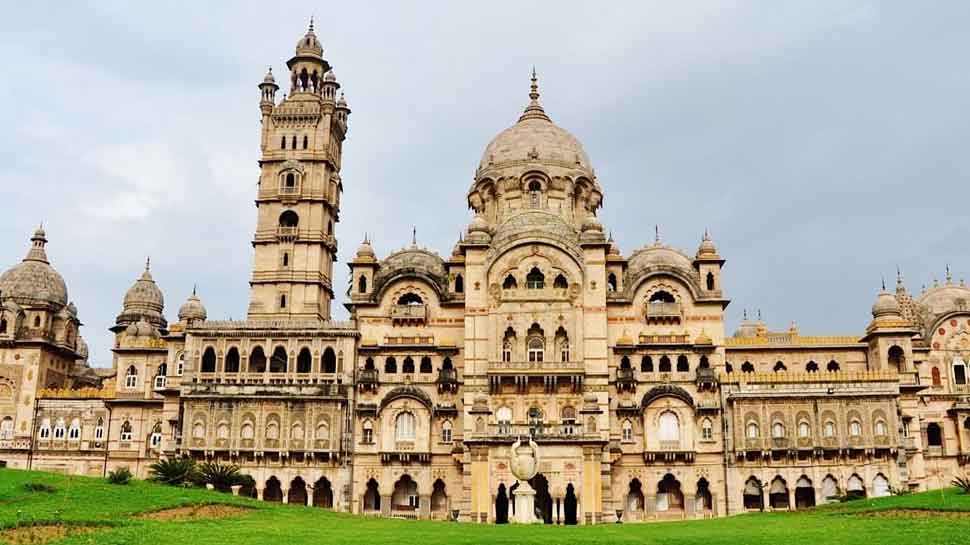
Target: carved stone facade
(534, 326)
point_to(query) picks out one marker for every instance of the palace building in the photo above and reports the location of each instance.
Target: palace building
(535, 325)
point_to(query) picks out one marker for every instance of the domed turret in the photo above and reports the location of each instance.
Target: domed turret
(82, 349)
(885, 305)
(192, 309)
(309, 45)
(34, 280)
(706, 248)
(143, 301)
(365, 250)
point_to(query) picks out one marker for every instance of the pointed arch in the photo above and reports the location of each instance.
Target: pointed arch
(257, 360)
(209, 360)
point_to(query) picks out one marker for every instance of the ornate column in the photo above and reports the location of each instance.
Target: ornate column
(650, 506)
(690, 505)
(286, 495)
(386, 505)
(424, 507)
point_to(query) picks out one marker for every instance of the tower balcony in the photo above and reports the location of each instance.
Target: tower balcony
(286, 234)
(625, 380)
(409, 314)
(368, 380)
(659, 312)
(447, 380)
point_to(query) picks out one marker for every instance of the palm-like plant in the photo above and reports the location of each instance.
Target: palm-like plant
(221, 476)
(963, 483)
(173, 471)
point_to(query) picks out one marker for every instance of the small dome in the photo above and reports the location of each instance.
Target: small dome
(309, 45)
(330, 76)
(658, 255)
(34, 280)
(144, 300)
(592, 224)
(707, 247)
(192, 309)
(342, 102)
(269, 76)
(614, 249)
(365, 250)
(478, 225)
(885, 305)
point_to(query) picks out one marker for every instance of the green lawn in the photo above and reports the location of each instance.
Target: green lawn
(86, 501)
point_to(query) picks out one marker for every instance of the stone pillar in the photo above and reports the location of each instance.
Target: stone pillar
(690, 504)
(259, 493)
(791, 499)
(649, 505)
(309, 496)
(386, 505)
(424, 507)
(286, 495)
(235, 489)
(819, 499)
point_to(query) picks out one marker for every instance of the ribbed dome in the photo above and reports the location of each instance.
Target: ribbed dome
(144, 300)
(885, 305)
(365, 250)
(192, 309)
(308, 44)
(535, 138)
(34, 280)
(658, 255)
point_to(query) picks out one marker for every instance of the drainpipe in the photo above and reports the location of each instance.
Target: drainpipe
(107, 441)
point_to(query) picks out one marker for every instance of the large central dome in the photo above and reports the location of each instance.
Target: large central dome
(535, 138)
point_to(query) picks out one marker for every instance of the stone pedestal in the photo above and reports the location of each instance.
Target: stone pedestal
(525, 504)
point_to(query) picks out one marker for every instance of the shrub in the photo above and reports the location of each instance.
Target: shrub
(899, 491)
(39, 487)
(963, 483)
(221, 476)
(174, 471)
(122, 475)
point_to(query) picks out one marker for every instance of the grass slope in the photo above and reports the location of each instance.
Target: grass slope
(80, 500)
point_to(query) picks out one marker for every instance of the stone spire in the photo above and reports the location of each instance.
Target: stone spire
(38, 242)
(534, 109)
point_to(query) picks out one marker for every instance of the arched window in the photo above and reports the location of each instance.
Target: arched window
(323, 431)
(247, 431)
(368, 435)
(329, 227)
(855, 428)
(290, 181)
(289, 218)
(509, 283)
(362, 284)
(446, 431)
(257, 360)
(627, 431)
(59, 429)
(625, 363)
(710, 281)
(804, 429)
(661, 296)
(747, 367)
(611, 282)
(896, 357)
(753, 431)
(329, 362)
(36, 321)
(6, 428)
(99, 430)
(278, 363)
(879, 430)
(209, 360)
(935, 375)
(446, 364)
(232, 360)
(459, 284)
(282, 301)
(304, 361)
(728, 368)
(306, 142)
(160, 376)
(880, 486)
(273, 430)
(707, 430)
(832, 367)
(125, 434)
(286, 259)
(668, 427)
(410, 298)
(664, 364)
(811, 367)
(408, 365)
(934, 435)
(646, 364)
(155, 439)
(283, 143)
(297, 432)
(536, 349)
(778, 430)
(45, 429)
(3, 326)
(535, 280)
(535, 188)
(425, 365)
(369, 364)
(404, 427)
(390, 365)
(828, 430)
(198, 430)
(180, 364)
(504, 417)
(682, 365)
(560, 282)
(563, 349)
(294, 136)
(779, 367)
(131, 377)
(507, 350)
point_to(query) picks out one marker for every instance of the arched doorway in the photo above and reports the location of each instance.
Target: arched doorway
(855, 488)
(501, 506)
(323, 493)
(880, 486)
(778, 494)
(273, 491)
(570, 505)
(670, 499)
(634, 501)
(703, 501)
(830, 489)
(297, 494)
(543, 501)
(804, 493)
(439, 501)
(753, 495)
(405, 495)
(372, 496)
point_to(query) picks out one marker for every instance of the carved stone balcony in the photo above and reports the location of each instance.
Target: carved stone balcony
(663, 313)
(447, 380)
(286, 234)
(368, 380)
(625, 380)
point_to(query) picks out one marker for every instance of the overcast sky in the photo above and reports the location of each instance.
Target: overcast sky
(822, 143)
